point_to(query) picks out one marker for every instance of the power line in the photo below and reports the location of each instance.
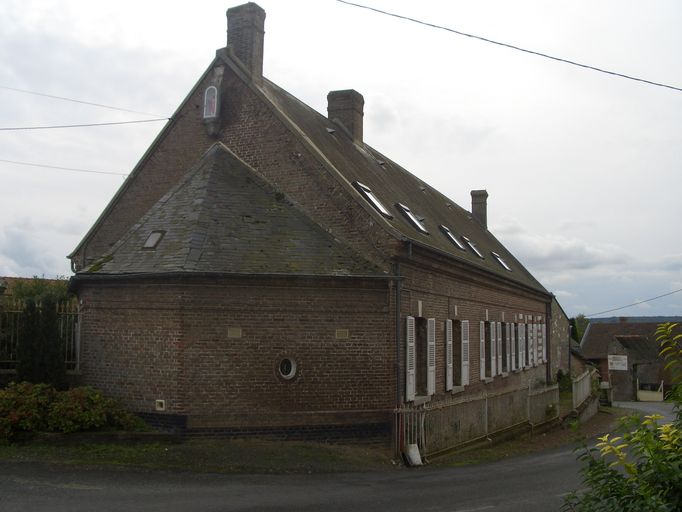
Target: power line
(506, 45)
(72, 169)
(101, 105)
(15, 128)
(634, 304)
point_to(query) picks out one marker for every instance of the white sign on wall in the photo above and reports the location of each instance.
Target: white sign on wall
(618, 362)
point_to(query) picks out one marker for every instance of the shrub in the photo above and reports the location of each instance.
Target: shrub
(641, 470)
(28, 408)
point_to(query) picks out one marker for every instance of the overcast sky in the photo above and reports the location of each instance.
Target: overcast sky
(583, 169)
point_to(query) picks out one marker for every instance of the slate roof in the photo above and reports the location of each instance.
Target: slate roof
(392, 184)
(598, 335)
(224, 218)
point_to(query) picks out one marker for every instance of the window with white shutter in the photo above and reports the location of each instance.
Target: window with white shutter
(431, 356)
(499, 348)
(481, 331)
(514, 346)
(533, 348)
(492, 340)
(508, 346)
(410, 361)
(522, 346)
(544, 343)
(465, 352)
(449, 373)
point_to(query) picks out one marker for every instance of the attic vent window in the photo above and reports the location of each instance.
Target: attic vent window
(211, 102)
(501, 261)
(453, 239)
(414, 220)
(473, 247)
(153, 239)
(372, 199)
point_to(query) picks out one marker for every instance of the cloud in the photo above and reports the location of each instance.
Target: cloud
(554, 252)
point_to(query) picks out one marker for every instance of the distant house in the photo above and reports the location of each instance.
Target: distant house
(630, 345)
(263, 270)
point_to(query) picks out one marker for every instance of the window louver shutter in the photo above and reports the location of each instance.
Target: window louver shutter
(493, 350)
(514, 351)
(465, 352)
(431, 355)
(482, 349)
(522, 345)
(410, 361)
(544, 343)
(499, 348)
(533, 349)
(507, 345)
(448, 356)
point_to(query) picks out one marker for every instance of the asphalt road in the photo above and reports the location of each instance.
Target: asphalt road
(532, 483)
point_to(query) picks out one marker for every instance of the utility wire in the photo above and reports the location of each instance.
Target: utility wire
(101, 105)
(72, 169)
(14, 128)
(634, 304)
(506, 45)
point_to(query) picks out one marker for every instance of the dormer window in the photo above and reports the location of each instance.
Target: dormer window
(501, 261)
(153, 239)
(211, 102)
(452, 238)
(473, 247)
(414, 220)
(372, 199)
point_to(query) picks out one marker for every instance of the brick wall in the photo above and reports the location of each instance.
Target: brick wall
(211, 350)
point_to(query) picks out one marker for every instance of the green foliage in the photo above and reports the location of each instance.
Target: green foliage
(40, 350)
(28, 408)
(40, 289)
(579, 325)
(640, 470)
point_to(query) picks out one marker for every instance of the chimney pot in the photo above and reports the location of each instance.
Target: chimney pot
(347, 107)
(479, 206)
(245, 34)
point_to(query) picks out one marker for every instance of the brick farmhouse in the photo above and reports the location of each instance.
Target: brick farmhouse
(264, 271)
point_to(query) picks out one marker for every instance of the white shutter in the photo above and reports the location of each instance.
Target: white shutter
(514, 346)
(448, 355)
(507, 345)
(538, 343)
(499, 348)
(493, 350)
(465, 352)
(431, 356)
(482, 349)
(522, 345)
(533, 348)
(410, 361)
(544, 343)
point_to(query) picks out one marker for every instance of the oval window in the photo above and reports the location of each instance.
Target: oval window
(287, 368)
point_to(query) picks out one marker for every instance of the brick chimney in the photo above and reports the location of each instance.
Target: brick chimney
(479, 206)
(245, 34)
(347, 107)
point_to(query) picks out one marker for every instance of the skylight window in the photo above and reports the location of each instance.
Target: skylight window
(153, 239)
(473, 247)
(453, 239)
(501, 261)
(372, 199)
(414, 220)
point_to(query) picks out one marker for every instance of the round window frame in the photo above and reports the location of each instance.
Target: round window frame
(292, 373)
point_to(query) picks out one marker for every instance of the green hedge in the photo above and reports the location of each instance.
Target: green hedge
(29, 408)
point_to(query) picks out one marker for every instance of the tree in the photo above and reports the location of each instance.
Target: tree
(641, 470)
(579, 326)
(40, 351)
(39, 289)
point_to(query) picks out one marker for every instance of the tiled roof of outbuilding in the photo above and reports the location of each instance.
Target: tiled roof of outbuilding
(224, 217)
(597, 337)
